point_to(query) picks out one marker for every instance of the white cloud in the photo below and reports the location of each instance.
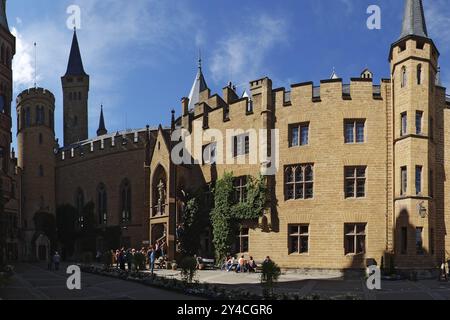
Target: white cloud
(438, 22)
(240, 57)
(113, 39)
(23, 63)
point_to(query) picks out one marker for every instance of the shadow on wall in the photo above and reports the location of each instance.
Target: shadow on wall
(409, 252)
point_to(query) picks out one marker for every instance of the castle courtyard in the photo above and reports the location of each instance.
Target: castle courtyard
(35, 282)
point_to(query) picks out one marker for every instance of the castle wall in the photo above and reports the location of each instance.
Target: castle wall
(109, 164)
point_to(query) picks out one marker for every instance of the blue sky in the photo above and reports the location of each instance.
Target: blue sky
(142, 54)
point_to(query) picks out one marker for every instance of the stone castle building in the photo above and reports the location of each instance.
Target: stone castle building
(361, 173)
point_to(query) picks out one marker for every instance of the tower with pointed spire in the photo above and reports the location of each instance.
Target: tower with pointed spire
(101, 125)
(7, 52)
(416, 120)
(198, 87)
(75, 84)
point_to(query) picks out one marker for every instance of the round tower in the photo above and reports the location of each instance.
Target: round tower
(36, 144)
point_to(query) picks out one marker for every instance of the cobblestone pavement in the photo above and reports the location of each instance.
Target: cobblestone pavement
(35, 282)
(327, 286)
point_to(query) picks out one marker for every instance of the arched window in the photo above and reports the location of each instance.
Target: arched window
(79, 205)
(27, 117)
(404, 77)
(419, 74)
(102, 205)
(41, 139)
(70, 96)
(51, 119)
(125, 201)
(41, 171)
(79, 95)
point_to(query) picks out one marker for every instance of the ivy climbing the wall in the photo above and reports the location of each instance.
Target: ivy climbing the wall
(227, 215)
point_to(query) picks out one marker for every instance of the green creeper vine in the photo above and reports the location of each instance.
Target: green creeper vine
(226, 215)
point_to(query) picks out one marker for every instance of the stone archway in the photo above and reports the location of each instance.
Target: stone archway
(42, 245)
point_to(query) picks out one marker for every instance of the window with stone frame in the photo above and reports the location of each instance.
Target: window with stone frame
(79, 205)
(403, 180)
(299, 239)
(355, 182)
(419, 120)
(242, 241)
(241, 145)
(419, 241)
(354, 130)
(102, 205)
(355, 238)
(125, 201)
(404, 77)
(240, 189)
(403, 124)
(299, 182)
(299, 134)
(210, 153)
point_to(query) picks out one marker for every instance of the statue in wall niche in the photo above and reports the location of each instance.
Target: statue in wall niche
(161, 195)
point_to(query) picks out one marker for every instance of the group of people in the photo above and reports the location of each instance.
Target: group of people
(125, 259)
(240, 265)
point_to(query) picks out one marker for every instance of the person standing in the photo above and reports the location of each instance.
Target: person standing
(152, 259)
(56, 260)
(122, 260)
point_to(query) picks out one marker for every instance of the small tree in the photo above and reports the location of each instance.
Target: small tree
(269, 277)
(188, 269)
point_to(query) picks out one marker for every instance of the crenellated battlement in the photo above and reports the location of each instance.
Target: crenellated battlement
(305, 93)
(123, 141)
(31, 93)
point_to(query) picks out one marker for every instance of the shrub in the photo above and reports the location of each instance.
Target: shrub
(269, 277)
(188, 269)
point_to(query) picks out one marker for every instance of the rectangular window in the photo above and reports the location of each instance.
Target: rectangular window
(241, 145)
(299, 134)
(299, 239)
(418, 180)
(419, 241)
(299, 182)
(419, 117)
(355, 238)
(404, 181)
(404, 241)
(242, 244)
(404, 124)
(355, 182)
(210, 153)
(354, 131)
(240, 189)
